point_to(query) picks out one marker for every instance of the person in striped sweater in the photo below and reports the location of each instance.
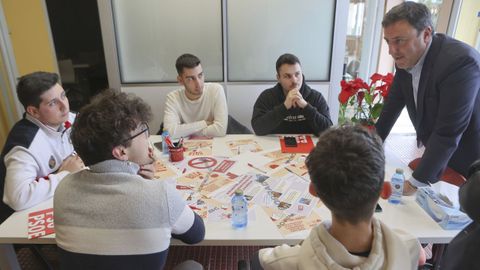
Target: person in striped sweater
(114, 215)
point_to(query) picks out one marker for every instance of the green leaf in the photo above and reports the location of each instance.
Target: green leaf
(376, 110)
(351, 101)
(368, 98)
(341, 115)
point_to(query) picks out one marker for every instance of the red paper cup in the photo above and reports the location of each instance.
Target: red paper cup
(176, 154)
(386, 190)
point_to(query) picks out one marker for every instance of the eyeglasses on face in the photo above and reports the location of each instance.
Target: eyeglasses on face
(143, 129)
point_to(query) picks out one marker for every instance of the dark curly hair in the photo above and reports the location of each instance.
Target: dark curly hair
(106, 123)
(347, 169)
(469, 193)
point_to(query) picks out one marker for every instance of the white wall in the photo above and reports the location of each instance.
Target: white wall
(240, 96)
(240, 99)
(468, 24)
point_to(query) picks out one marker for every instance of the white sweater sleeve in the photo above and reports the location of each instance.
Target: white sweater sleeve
(172, 121)
(24, 188)
(279, 257)
(220, 114)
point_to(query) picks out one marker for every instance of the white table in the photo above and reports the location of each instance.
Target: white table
(408, 216)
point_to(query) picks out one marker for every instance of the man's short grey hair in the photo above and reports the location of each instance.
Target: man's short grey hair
(416, 14)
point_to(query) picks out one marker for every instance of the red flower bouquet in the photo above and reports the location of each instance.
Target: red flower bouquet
(361, 102)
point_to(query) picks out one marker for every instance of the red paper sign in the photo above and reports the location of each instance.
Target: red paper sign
(40, 223)
(224, 166)
(202, 162)
(304, 145)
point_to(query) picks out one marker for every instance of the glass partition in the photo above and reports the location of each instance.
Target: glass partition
(259, 31)
(151, 34)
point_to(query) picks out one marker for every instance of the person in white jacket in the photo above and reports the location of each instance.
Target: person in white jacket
(38, 152)
(198, 108)
(347, 169)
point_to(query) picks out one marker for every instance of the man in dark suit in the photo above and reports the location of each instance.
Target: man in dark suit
(438, 79)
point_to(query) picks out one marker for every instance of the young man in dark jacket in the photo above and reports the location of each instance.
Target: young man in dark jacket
(291, 106)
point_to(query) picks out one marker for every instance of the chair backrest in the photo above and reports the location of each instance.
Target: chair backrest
(352, 68)
(235, 127)
(469, 197)
(449, 175)
(67, 72)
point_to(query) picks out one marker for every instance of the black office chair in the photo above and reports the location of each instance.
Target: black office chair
(159, 132)
(243, 265)
(76, 98)
(252, 264)
(233, 127)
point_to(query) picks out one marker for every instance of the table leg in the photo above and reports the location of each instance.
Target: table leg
(8, 257)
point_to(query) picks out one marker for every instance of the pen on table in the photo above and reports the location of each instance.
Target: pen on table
(180, 143)
(200, 187)
(194, 207)
(169, 142)
(290, 158)
(258, 169)
(296, 174)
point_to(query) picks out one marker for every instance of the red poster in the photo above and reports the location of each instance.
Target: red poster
(224, 166)
(304, 145)
(40, 223)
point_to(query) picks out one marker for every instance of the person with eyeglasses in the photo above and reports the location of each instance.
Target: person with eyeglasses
(113, 215)
(37, 154)
(146, 169)
(437, 79)
(198, 108)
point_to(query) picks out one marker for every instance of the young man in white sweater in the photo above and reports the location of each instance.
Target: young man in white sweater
(347, 168)
(198, 108)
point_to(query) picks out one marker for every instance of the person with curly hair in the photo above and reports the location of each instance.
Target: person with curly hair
(114, 215)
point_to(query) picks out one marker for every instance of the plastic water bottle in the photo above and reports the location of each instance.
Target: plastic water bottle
(165, 134)
(239, 210)
(397, 186)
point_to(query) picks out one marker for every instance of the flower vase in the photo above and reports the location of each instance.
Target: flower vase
(370, 128)
(368, 125)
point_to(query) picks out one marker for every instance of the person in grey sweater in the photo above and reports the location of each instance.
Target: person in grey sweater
(114, 215)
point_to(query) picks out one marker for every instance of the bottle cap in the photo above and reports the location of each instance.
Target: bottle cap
(399, 170)
(238, 192)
